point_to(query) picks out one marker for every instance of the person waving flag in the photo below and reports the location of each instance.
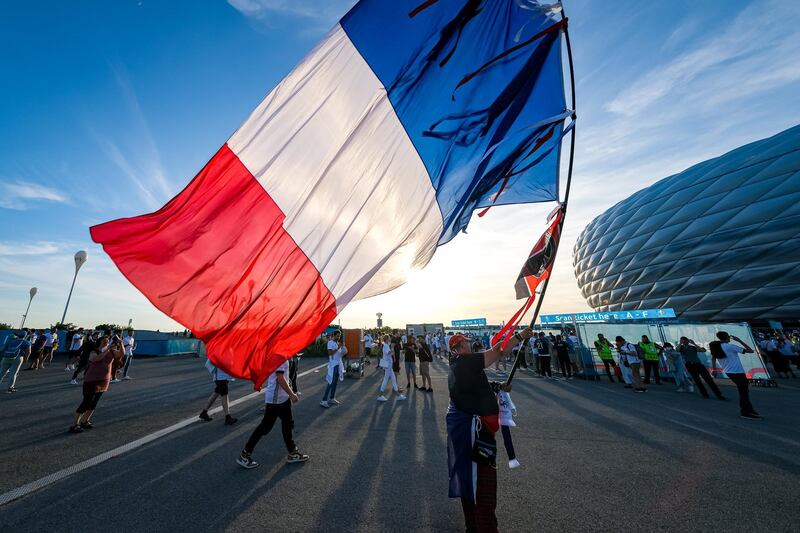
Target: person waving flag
(352, 171)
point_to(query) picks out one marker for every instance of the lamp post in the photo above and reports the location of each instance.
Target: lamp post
(32, 292)
(80, 259)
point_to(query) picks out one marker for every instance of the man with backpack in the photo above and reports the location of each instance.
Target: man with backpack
(728, 355)
(12, 356)
(629, 357)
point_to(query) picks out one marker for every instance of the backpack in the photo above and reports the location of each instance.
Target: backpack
(715, 347)
(13, 348)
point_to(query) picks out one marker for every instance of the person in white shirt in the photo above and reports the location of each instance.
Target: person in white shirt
(52, 339)
(335, 369)
(74, 350)
(368, 342)
(629, 358)
(388, 371)
(727, 354)
(278, 400)
(220, 379)
(129, 345)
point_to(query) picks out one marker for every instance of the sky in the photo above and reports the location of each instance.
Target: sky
(110, 108)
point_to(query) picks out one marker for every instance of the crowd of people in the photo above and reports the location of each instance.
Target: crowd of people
(479, 408)
(96, 357)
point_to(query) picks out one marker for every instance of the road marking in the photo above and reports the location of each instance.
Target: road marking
(41, 483)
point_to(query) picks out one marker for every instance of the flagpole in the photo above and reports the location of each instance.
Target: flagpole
(521, 353)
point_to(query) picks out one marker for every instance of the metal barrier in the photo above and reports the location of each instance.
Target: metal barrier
(702, 334)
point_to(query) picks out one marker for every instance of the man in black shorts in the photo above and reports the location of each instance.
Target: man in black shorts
(472, 420)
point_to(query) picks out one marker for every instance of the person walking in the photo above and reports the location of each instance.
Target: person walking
(221, 382)
(425, 360)
(12, 356)
(629, 357)
(603, 349)
(652, 359)
(785, 354)
(74, 350)
(87, 347)
(37, 350)
(728, 354)
(697, 369)
(278, 400)
(387, 363)
(542, 346)
(472, 422)
(410, 360)
(95, 382)
(50, 346)
(562, 352)
(129, 345)
(678, 368)
(335, 369)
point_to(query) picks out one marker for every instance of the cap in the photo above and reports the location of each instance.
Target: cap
(455, 340)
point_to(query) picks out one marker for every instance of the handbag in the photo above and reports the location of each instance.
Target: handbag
(484, 450)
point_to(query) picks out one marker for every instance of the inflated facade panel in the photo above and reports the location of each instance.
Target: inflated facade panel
(718, 241)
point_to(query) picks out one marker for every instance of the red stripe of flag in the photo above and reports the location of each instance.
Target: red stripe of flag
(217, 259)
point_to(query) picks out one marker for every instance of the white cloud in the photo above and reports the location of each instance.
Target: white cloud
(30, 248)
(761, 40)
(21, 195)
(137, 158)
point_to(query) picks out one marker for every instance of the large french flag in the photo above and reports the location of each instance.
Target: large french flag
(352, 171)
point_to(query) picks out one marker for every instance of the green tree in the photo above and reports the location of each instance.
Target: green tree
(3, 326)
(109, 327)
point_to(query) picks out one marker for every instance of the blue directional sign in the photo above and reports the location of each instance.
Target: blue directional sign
(468, 322)
(606, 316)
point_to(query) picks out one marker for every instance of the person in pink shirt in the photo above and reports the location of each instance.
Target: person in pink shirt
(96, 380)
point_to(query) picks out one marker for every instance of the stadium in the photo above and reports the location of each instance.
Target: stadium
(717, 242)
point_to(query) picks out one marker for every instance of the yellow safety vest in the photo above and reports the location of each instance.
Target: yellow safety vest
(650, 352)
(603, 350)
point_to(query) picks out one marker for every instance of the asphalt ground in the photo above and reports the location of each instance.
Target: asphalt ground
(595, 457)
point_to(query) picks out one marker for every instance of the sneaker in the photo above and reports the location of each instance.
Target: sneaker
(296, 457)
(229, 420)
(751, 416)
(639, 390)
(73, 382)
(115, 380)
(680, 389)
(67, 369)
(334, 401)
(402, 397)
(324, 404)
(513, 463)
(11, 390)
(205, 416)
(126, 378)
(246, 461)
(75, 429)
(430, 389)
(86, 425)
(382, 398)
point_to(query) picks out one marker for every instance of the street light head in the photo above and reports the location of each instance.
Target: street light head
(80, 259)
(33, 292)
